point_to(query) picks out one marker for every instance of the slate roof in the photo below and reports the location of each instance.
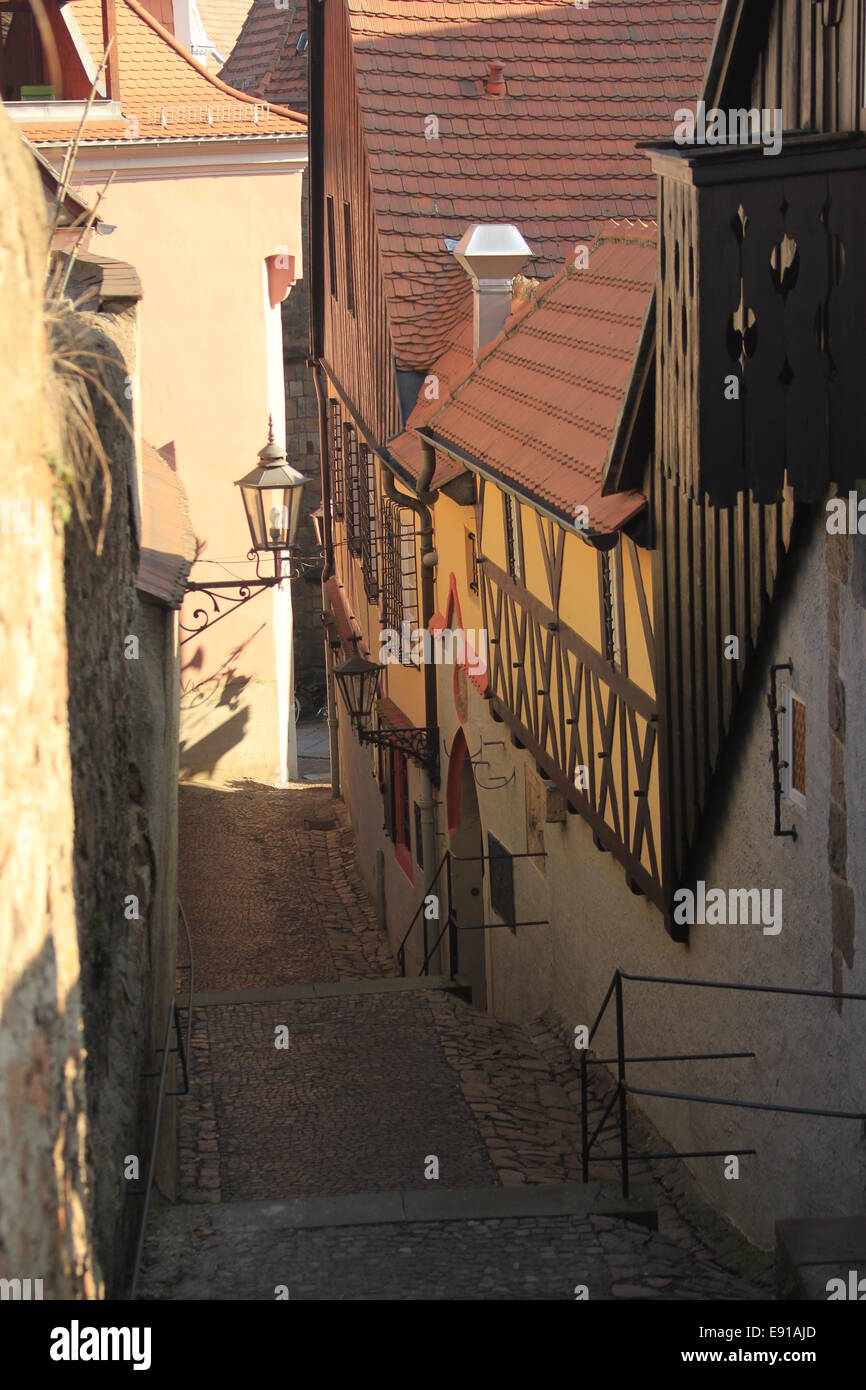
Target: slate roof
(555, 154)
(158, 75)
(540, 407)
(265, 59)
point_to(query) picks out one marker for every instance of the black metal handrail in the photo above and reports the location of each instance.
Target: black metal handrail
(172, 1021)
(401, 949)
(623, 1089)
(450, 924)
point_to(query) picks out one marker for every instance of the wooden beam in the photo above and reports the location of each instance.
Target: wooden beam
(109, 36)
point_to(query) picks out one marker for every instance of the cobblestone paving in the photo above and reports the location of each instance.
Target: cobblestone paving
(542, 1257)
(270, 899)
(372, 1084)
(356, 1102)
(523, 1085)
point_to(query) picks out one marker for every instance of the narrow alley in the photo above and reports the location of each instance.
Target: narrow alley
(349, 1134)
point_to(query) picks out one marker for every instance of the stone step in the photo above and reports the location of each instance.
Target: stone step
(597, 1198)
(387, 984)
(811, 1252)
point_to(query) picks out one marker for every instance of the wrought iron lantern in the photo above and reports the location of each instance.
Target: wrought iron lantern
(358, 679)
(272, 494)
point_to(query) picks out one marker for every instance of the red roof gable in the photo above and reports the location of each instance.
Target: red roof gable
(165, 94)
(540, 407)
(555, 154)
(265, 60)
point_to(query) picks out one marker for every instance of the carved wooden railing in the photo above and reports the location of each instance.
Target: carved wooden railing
(569, 707)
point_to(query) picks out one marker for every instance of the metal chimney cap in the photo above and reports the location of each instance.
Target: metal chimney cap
(494, 251)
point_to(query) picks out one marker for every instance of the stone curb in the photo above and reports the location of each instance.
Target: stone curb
(334, 989)
(466, 1204)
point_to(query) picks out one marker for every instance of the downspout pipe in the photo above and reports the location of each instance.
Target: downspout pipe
(420, 505)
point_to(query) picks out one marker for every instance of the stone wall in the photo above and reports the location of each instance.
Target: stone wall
(88, 741)
(46, 1223)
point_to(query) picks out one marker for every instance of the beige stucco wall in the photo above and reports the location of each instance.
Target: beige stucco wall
(207, 386)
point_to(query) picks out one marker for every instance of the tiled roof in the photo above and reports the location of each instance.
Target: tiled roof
(555, 154)
(223, 21)
(540, 408)
(265, 60)
(165, 93)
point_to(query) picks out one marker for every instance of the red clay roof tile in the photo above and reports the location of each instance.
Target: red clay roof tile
(555, 155)
(539, 408)
(265, 59)
(165, 94)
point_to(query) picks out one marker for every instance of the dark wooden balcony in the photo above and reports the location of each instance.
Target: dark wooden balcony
(761, 311)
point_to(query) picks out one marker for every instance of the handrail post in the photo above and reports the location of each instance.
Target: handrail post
(620, 1068)
(425, 969)
(453, 962)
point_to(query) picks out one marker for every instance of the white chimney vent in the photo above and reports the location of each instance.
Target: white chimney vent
(491, 256)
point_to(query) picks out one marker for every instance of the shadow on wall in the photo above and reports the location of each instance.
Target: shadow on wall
(43, 1082)
(204, 755)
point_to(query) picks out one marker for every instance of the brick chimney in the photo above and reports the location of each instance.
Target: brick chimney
(495, 82)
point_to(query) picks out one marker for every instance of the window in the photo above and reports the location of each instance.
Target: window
(501, 881)
(471, 562)
(400, 794)
(610, 608)
(332, 248)
(351, 488)
(399, 573)
(350, 260)
(793, 747)
(513, 537)
(337, 458)
(367, 523)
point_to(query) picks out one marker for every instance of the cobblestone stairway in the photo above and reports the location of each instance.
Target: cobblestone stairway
(305, 1168)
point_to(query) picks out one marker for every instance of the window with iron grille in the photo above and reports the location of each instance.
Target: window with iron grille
(611, 634)
(402, 827)
(337, 457)
(794, 747)
(399, 571)
(512, 537)
(352, 489)
(368, 523)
